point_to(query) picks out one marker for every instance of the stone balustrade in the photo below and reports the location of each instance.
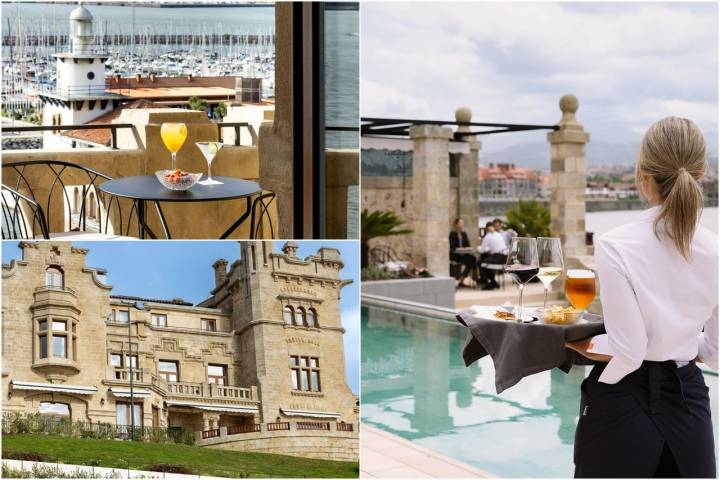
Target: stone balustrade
(185, 389)
(315, 439)
(123, 374)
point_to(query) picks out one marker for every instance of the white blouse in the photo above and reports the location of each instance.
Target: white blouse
(656, 304)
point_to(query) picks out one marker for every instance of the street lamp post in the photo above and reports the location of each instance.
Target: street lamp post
(138, 306)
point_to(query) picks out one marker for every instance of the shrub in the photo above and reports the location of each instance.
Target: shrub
(27, 456)
(170, 468)
(529, 219)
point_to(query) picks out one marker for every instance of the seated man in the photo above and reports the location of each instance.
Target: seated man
(459, 239)
(507, 234)
(493, 249)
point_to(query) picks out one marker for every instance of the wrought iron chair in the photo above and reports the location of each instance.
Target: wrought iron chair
(16, 208)
(262, 203)
(89, 209)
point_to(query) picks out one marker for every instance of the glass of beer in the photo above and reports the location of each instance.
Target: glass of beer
(580, 288)
(173, 136)
(522, 265)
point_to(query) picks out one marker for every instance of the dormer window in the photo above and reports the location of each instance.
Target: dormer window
(54, 277)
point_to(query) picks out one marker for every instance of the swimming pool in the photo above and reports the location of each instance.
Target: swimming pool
(415, 385)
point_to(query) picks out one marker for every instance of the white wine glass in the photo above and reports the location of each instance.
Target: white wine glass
(522, 265)
(550, 261)
(209, 150)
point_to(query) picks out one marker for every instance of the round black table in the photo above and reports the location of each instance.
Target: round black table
(149, 189)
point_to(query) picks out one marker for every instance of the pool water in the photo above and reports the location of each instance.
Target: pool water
(415, 385)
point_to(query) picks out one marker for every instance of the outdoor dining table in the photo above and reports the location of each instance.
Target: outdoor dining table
(520, 349)
(144, 189)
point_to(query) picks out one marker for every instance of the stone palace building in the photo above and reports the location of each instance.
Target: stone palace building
(257, 366)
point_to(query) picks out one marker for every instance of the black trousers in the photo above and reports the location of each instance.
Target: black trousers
(466, 259)
(655, 422)
(487, 276)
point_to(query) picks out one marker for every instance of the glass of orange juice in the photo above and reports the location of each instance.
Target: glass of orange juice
(173, 136)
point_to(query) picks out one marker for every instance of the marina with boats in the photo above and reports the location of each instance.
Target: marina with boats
(136, 42)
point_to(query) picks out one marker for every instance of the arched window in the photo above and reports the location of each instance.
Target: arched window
(55, 411)
(288, 315)
(53, 277)
(300, 316)
(312, 318)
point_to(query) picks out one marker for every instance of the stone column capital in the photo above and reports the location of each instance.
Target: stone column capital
(419, 132)
(568, 136)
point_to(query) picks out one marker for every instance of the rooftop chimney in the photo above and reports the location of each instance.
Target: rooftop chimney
(220, 267)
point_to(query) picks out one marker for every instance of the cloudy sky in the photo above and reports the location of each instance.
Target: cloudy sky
(629, 64)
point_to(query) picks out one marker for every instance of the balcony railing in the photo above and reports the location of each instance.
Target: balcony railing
(235, 430)
(344, 427)
(74, 92)
(124, 374)
(185, 389)
(113, 127)
(215, 432)
(313, 425)
(236, 393)
(209, 390)
(275, 426)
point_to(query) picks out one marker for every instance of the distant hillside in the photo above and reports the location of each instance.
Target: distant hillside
(536, 155)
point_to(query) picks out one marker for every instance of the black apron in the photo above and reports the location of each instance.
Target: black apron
(658, 415)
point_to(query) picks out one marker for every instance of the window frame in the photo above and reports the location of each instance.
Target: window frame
(289, 309)
(204, 322)
(302, 370)
(52, 274)
(224, 377)
(49, 336)
(164, 374)
(311, 312)
(154, 317)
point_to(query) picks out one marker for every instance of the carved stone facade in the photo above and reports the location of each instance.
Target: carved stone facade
(235, 368)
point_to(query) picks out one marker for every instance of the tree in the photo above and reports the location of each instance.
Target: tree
(377, 224)
(220, 111)
(197, 103)
(529, 219)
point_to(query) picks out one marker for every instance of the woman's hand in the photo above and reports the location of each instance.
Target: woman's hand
(581, 347)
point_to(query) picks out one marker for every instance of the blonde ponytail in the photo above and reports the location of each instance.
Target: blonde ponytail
(673, 154)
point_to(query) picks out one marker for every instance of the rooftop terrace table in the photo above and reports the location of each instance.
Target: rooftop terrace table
(520, 349)
(149, 189)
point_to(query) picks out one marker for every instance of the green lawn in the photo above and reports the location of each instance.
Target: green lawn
(202, 461)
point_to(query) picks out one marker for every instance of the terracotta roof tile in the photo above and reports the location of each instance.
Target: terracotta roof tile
(104, 136)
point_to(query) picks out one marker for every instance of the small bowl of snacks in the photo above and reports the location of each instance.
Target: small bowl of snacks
(557, 315)
(177, 179)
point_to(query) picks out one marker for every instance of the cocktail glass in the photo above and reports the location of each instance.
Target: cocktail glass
(173, 136)
(209, 150)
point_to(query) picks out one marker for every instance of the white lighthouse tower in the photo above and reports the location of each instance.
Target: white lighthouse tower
(79, 95)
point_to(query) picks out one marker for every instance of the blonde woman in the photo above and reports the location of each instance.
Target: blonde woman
(645, 410)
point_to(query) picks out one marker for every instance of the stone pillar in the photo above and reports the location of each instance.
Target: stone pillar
(468, 182)
(275, 138)
(431, 184)
(568, 179)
